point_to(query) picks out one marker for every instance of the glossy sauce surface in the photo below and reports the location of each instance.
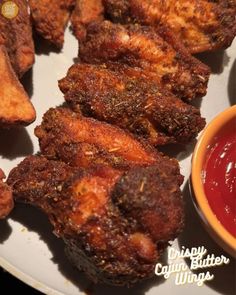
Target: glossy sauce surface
(220, 178)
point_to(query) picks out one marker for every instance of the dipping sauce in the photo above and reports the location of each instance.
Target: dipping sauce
(220, 177)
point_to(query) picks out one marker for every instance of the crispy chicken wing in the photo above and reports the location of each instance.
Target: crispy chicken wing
(82, 142)
(85, 13)
(50, 18)
(202, 25)
(115, 201)
(158, 53)
(15, 105)
(115, 224)
(124, 97)
(16, 35)
(6, 199)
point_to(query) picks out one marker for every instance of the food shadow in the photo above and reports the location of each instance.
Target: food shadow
(44, 47)
(15, 142)
(5, 230)
(27, 82)
(232, 84)
(36, 221)
(216, 60)
(195, 235)
(178, 151)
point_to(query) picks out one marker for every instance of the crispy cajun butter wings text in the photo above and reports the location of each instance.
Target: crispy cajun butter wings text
(116, 211)
(202, 25)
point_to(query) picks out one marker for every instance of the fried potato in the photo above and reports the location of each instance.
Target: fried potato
(15, 106)
(50, 18)
(16, 35)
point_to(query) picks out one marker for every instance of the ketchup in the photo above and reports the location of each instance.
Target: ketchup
(220, 178)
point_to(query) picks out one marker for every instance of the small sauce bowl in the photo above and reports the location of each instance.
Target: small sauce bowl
(213, 179)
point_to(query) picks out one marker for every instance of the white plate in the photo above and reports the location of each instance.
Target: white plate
(30, 251)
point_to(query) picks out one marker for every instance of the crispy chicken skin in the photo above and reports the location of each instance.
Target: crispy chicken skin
(123, 97)
(50, 18)
(16, 35)
(82, 142)
(85, 13)
(157, 52)
(113, 242)
(118, 10)
(15, 105)
(6, 199)
(202, 25)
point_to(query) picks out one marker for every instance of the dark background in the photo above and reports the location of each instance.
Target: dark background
(9, 283)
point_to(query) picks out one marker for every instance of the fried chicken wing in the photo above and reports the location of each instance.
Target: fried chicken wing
(123, 97)
(81, 141)
(6, 199)
(85, 13)
(113, 242)
(202, 25)
(158, 53)
(16, 36)
(15, 105)
(50, 18)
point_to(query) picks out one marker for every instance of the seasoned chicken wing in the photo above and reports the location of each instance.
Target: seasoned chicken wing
(123, 96)
(115, 224)
(16, 36)
(15, 105)
(155, 51)
(50, 18)
(85, 13)
(202, 25)
(82, 142)
(6, 199)
(115, 201)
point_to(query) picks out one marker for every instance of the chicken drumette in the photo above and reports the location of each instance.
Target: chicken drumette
(115, 224)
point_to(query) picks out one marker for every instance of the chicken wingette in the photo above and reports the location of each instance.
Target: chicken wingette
(202, 25)
(156, 51)
(81, 141)
(123, 96)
